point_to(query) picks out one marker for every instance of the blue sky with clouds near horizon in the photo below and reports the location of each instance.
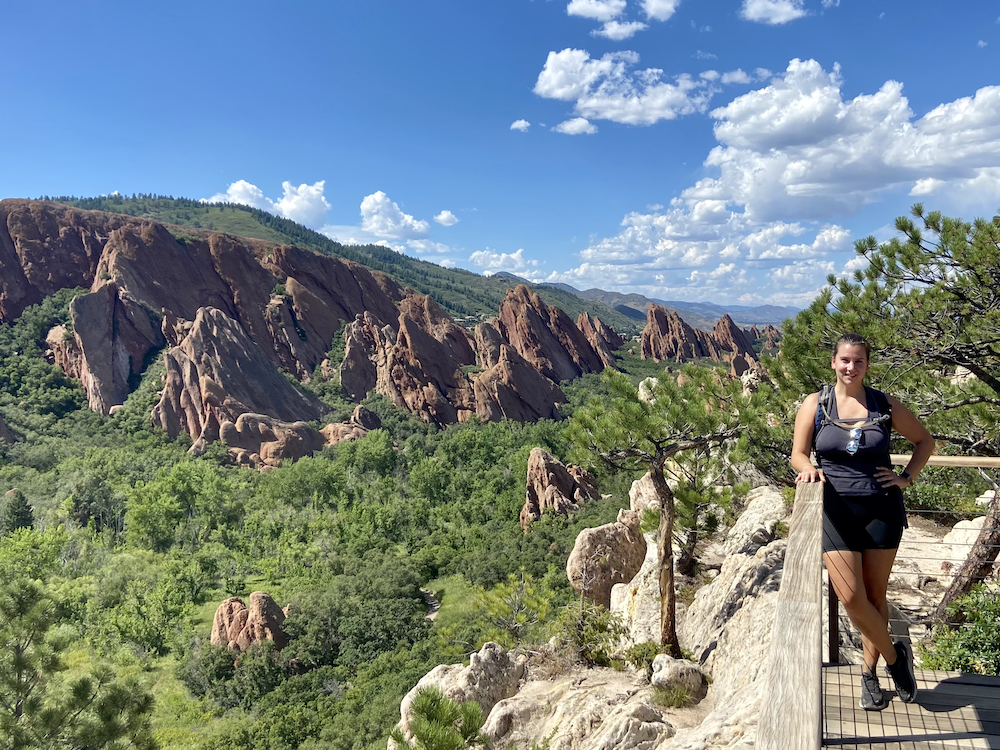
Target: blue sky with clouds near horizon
(720, 150)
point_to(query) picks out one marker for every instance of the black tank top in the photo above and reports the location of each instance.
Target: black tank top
(853, 474)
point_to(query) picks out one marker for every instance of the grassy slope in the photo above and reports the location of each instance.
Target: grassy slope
(461, 292)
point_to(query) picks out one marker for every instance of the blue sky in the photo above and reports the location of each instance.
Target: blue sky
(721, 150)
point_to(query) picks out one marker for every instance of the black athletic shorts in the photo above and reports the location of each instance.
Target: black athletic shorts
(860, 522)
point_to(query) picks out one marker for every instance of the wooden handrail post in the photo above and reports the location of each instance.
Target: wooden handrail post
(791, 701)
(833, 618)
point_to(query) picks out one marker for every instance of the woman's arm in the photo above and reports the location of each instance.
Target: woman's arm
(805, 423)
(907, 425)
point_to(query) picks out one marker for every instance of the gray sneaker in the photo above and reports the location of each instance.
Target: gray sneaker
(902, 673)
(872, 698)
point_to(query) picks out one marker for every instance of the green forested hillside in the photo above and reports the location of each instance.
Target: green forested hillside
(461, 292)
(135, 544)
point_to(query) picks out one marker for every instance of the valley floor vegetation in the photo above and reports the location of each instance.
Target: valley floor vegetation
(117, 545)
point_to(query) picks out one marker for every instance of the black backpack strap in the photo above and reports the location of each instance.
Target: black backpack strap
(883, 405)
(822, 410)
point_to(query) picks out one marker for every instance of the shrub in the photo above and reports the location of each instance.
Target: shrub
(591, 630)
(442, 724)
(973, 646)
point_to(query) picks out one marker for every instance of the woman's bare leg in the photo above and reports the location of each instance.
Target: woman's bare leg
(876, 565)
(846, 572)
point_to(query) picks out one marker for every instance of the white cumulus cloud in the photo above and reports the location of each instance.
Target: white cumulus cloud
(736, 76)
(383, 218)
(609, 89)
(598, 10)
(576, 126)
(772, 12)
(797, 148)
(423, 247)
(521, 125)
(492, 261)
(659, 10)
(446, 218)
(619, 30)
(305, 204)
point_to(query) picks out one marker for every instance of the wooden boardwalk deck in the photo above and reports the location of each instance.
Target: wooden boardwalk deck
(952, 710)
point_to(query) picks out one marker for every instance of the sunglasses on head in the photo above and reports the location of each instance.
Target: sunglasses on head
(855, 440)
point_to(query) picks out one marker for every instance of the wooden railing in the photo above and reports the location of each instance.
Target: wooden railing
(790, 714)
(791, 702)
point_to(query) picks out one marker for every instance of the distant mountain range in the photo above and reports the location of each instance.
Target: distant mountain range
(703, 315)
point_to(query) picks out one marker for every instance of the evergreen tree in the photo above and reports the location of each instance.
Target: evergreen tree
(39, 709)
(15, 512)
(649, 426)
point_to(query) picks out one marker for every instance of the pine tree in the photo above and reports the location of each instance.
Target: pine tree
(15, 512)
(40, 709)
(648, 426)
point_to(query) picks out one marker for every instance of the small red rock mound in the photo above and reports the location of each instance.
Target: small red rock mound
(606, 555)
(217, 374)
(602, 338)
(238, 626)
(545, 336)
(551, 485)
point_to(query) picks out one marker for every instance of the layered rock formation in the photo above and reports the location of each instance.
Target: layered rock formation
(606, 555)
(667, 337)
(148, 287)
(770, 335)
(112, 336)
(216, 374)
(545, 336)
(238, 626)
(552, 486)
(603, 339)
(509, 387)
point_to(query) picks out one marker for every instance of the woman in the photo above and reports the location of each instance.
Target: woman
(863, 516)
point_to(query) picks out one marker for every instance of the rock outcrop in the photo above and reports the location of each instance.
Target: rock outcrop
(259, 440)
(606, 555)
(756, 525)
(731, 338)
(239, 626)
(667, 337)
(492, 675)
(45, 247)
(593, 708)
(509, 387)
(602, 338)
(552, 486)
(147, 284)
(217, 374)
(112, 335)
(770, 335)
(545, 336)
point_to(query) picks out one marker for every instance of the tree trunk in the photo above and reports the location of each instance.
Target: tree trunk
(685, 562)
(976, 566)
(665, 554)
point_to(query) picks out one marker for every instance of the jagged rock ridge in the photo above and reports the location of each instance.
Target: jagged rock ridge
(217, 300)
(667, 337)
